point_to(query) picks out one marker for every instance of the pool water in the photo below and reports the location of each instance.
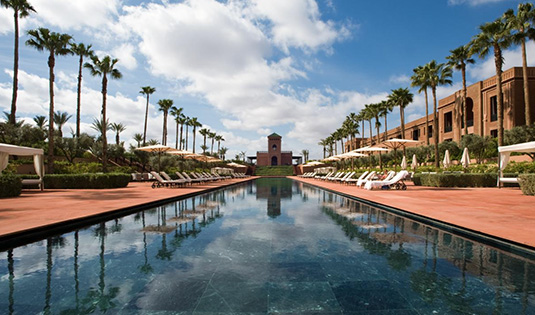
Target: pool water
(267, 246)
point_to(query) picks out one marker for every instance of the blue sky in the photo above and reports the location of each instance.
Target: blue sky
(246, 68)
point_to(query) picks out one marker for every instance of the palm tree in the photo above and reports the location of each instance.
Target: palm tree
(117, 128)
(521, 23)
(176, 112)
(305, 153)
(204, 132)
(459, 58)
(99, 126)
(21, 10)
(195, 124)
(219, 138)
(401, 97)
(352, 124)
(103, 68)
(60, 119)
(323, 143)
(187, 124)
(56, 44)
(385, 107)
(40, 121)
(212, 135)
(138, 138)
(146, 90)
(223, 152)
(374, 111)
(82, 51)
(420, 78)
(439, 74)
(368, 116)
(181, 120)
(165, 106)
(497, 37)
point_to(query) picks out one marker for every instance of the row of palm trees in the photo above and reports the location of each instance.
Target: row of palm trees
(494, 37)
(166, 106)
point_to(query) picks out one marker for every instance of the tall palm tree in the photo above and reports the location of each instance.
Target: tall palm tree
(138, 138)
(439, 74)
(99, 125)
(323, 143)
(176, 112)
(182, 120)
(187, 124)
(117, 128)
(204, 132)
(165, 106)
(367, 114)
(21, 9)
(146, 90)
(401, 97)
(57, 45)
(385, 107)
(40, 121)
(374, 111)
(60, 119)
(195, 124)
(219, 138)
(521, 24)
(494, 36)
(353, 127)
(420, 78)
(459, 58)
(223, 152)
(103, 68)
(82, 51)
(212, 135)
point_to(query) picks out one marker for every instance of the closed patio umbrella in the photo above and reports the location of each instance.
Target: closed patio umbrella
(414, 163)
(404, 163)
(446, 162)
(158, 148)
(396, 144)
(465, 159)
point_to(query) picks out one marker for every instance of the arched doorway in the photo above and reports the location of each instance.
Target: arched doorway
(469, 112)
(274, 161)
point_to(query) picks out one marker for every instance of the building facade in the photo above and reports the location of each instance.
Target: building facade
(481, 108)
(274, 156)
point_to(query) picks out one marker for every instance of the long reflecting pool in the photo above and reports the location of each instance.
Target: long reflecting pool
(272, 245)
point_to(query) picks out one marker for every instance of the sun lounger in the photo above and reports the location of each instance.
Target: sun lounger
(343, 178)
(187, 180)
(355, 180)
(396, 182)
(160, 182)
(176, 181)
(323, 176)
(361, 182)
(193, 180)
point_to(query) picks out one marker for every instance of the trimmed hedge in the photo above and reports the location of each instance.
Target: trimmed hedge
(285, 170)
(86, 181)
(10, 186)
(456, 180)
(527, 184)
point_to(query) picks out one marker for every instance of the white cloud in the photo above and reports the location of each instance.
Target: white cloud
(6, 21)
(473, 2)
(125, 54)
(400, 79)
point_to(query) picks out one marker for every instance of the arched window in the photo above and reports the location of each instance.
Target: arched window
(274, 147)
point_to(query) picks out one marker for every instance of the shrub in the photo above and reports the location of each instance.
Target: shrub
(86, 181)
(527, 184)
(455, 180)
(274, 171)
(10, 186)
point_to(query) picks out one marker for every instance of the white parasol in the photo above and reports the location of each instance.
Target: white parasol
(404, 163)
(414, 163)
(446, 162)
(397, 143)
(158, 148)
(465, 160)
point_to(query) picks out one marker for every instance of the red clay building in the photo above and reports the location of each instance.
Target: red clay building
(274, 156)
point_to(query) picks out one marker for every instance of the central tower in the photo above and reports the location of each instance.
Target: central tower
(274, 149)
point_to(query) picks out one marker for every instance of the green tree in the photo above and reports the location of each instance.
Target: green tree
(459, 58)
(420, 78)
(352, 125)
(146, 90)
(21, 9)
(195, 124)
(219, 138)
(494, 36)
(60, 119)
(439, 74)
(40, 121)
(57, 45)
(187, 123)
(165, 106)
(521, 25)
(182, 120)
(138, 138)
(99, 126)
(204, 132)
(222, 152)
(117, 128)
(385, 107)
(401, 97)
(103, 68)
(212, 136)
(176, 112)
(323, 143)
(81, 51)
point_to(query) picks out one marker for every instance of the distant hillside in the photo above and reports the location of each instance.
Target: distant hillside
(274, 170)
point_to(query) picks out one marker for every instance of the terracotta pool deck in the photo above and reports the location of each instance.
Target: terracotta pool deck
(504, 213)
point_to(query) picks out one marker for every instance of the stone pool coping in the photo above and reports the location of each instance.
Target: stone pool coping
(503, 213)
(35, 213)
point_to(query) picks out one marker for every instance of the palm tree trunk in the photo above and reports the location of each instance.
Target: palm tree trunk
(194, 131)
(176, 136)
(12, 118)
(380, 155)
(79, 96)
(402, 114)
(465, 112)
(386, 129)
(362, 136)
(435, 126)
(50, 159)
(164, 135)
(426, 117)
(218, 146)
(146, 118)
(212, 147)
(117, 138)
(204, 145)
(186, 137)
(371, 132)
(526, 85)
(181, 129)
(498, 62)
(104, 123)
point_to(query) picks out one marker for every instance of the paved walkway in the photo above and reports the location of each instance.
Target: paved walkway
(505, 213)
(34, 209)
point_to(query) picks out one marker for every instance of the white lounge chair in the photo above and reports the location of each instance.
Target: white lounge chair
(395, 182)
(361, 182)
(355, 180)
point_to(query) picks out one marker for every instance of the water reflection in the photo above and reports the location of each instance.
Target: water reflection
(274, 191)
